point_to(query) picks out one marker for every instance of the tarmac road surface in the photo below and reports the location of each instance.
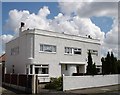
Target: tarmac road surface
(109, 90)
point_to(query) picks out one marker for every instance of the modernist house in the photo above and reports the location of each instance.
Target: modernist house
(50, 54)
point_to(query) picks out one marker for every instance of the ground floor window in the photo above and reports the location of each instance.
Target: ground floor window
(42, 70)
(37, 69)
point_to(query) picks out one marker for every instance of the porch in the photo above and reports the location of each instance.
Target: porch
(41, 70)
(69, 68)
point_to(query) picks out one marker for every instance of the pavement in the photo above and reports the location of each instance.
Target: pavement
(109, 90)
(4, 90)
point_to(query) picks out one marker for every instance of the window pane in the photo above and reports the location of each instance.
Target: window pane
(54, 48)
(47, 48)
(44, 70)
(41, 47)
(15, 51)
(41, 69)
(68, 50)
(77, 51)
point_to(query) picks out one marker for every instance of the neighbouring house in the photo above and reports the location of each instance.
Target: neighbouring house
(2, 63)
(50, 54)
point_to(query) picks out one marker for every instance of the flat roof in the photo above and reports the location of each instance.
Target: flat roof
(61, 35)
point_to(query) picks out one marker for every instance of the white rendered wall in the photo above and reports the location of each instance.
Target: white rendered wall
(20, 60)
(80, 82)
(29, 43)
(53, 59)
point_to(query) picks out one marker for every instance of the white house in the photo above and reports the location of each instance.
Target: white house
(50, 54)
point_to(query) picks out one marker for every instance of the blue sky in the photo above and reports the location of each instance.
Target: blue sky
(104, 23)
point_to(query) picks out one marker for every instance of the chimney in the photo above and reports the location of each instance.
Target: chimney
(22, 25)
(21, 28)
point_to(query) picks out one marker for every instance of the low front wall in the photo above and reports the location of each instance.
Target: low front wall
(80, 82)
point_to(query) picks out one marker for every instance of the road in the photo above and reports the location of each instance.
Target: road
(111, 90)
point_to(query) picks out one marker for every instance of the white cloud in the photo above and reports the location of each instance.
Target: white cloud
(70, 7)
(44, 12)
(88, 9)
(4, 39)
(98, 9)
(31, 20)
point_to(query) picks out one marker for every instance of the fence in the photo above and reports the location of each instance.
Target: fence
(27, 83)
(80, 82)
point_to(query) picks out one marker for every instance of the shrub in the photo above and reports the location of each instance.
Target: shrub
(55, 83)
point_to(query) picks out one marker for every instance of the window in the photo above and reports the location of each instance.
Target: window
(77, 51)
(15, 51)
(70, 50)
(93, 52)
(47, 48)
(41, 69)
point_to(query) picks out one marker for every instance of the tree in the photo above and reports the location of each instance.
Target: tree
(103, 65)
(109, 64)
(113, 65)
(94, 70)
(91, 68)
(118, 66)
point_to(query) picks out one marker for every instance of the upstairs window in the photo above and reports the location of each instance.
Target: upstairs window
(15, 51)
(71, 50)
(68, 50)
(77, 51)
(47, 48)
